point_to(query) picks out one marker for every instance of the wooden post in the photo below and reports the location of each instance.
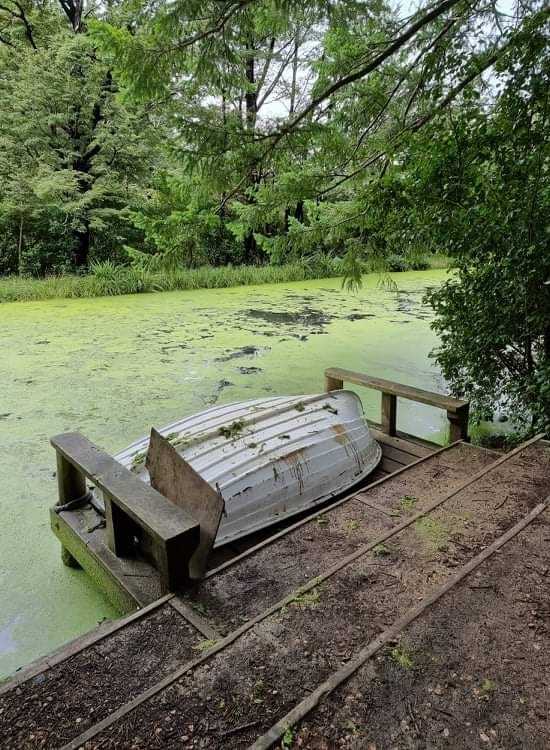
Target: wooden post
(458, 423)
(71, 483)
(333, 384)
(389, 413)
(120, 529)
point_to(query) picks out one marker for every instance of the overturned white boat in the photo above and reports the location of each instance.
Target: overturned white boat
(271, 458)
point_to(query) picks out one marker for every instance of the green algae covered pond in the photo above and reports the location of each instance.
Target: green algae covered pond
(114, 366)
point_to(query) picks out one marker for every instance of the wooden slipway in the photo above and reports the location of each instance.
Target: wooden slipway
(410, 613)
(269, 459)
(251, 654)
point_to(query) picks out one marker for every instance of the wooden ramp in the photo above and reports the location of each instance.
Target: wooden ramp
(376, 622)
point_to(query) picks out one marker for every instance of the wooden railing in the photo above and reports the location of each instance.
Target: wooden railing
(135, 513)
(457, 410)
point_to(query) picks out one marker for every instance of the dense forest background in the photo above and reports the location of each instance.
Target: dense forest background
(152, 135)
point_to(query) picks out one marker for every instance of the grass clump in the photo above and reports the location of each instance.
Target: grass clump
(486, 689)
(486, 436)
(106, 279)
(288, 738)
(307, 599)
(381, 550)
(204, 645)
(402, 656)
(408, 502)
(432, 532)
(232, 430)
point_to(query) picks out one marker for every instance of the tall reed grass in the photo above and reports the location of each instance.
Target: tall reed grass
(107, 279)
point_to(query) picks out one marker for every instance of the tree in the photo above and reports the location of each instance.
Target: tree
(493, 315)
(73, 157)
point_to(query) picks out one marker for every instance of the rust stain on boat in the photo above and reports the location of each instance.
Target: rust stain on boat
(341, 433)
(298, 465)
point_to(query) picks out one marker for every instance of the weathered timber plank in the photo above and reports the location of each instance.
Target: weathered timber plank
(171, 475)
(147, 507)
(448, 403)
(411, 448)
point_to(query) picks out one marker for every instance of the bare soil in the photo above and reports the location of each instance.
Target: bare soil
(55, 706)
(239, 692)
(245, 589)
(478, 673)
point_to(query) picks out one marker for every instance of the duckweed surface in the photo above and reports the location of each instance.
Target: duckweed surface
(112, 367)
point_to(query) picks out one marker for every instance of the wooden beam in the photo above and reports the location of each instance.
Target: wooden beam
(447, 403)
(458, 423)
(165, 534)
(332, 384)
(389, 413)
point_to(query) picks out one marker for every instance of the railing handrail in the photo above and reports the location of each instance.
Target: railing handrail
(457, 409)
(439, 400)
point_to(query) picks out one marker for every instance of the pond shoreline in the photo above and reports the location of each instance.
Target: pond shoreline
(109, 280)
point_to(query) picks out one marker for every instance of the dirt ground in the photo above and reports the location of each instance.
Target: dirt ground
(476, 672)
(243, 590)
(51, 708)
(239, 692)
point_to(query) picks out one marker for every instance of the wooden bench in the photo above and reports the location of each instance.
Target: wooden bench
(137, 516)
(457, 410)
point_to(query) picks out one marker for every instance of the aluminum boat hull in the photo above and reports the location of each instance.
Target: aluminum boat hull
(271, 458)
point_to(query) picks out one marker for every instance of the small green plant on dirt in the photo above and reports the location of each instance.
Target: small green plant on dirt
(307, 599)
(198, 607)
(258, 692)
(402, 656)
(204, 645)
(300, 406)
(288, 738)
(408, 502)
(381, 550)
(322, 521)
(232, 430)
(486, 689)
(432, 532)
(351, 727)
(353, 525)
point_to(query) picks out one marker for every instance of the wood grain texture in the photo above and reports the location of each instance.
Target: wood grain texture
(174, 478)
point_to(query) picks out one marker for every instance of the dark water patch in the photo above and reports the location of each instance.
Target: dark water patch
(243, 351)
(359, 316)
(167, 349)
(307, 316)
(41, 342)
(249, 370)
(219, 388)
(5, 416)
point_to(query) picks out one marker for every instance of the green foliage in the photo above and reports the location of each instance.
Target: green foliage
(493, 199)
(402, 656)
(73, 159)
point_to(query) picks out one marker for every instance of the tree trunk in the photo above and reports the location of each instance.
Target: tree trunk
(82, 249)
(251, 95)
(20, 247)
